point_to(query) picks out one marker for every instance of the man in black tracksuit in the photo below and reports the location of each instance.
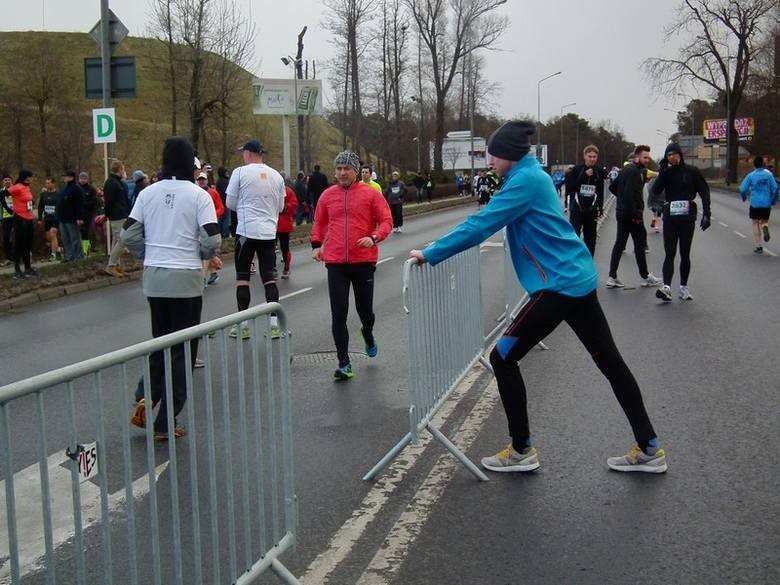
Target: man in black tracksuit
(680, 183)
(628, 188)
(585, 195)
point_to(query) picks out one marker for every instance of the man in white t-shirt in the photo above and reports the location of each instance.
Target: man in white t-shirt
(173, 227)
(256, 194)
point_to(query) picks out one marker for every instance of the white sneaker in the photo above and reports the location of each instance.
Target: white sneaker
(614, 283)
(664, 293)
(651, 280)
(685, 294)
(510, 460)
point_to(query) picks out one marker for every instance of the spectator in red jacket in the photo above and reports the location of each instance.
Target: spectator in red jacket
(285, 226)
(351, 218)
(211, 266)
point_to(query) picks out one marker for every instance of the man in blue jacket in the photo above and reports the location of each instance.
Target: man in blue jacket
(556, 269)
(70, 203)
(762, 187)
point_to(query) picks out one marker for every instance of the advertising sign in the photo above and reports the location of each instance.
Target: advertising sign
(277, 97)
(715, 130)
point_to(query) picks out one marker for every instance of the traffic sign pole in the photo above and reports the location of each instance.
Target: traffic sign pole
(105, 55)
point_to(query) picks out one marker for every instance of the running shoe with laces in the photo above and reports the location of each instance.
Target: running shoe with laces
(344, 373)
(372, 349)
(510, 460)
(213, 277)
(651, 280)
(664, 293)
(637, 460)
(275, 332)
(242, 330)
(614, 283)
(758, 250)
(198, 363)
(765, 230)
(685, 294)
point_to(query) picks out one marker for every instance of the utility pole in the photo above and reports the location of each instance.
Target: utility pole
(105, 58)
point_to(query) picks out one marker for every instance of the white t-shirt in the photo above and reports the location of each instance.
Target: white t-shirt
(172, 213)
(256, 194)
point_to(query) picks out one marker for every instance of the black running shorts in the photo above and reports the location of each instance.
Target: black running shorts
(247, 249)
(759, 212)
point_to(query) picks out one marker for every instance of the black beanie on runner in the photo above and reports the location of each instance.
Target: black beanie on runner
(672, 148)
(510, 141)
(178, 159)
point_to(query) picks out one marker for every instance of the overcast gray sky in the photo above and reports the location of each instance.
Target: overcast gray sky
(597, 44)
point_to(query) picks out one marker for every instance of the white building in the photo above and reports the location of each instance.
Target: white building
(456, 152)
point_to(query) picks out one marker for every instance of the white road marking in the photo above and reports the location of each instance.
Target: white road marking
(393, 551)
(345, 539)
(383, 260)
(296, 293)
(723, 224)
(770, 252)
(739, 234)
(490, 244)
(27, 493)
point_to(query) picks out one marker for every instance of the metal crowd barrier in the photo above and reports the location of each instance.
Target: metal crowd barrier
(91, 499)
(445, 339)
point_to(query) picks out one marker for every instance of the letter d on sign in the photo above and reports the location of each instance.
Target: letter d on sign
(103, 125)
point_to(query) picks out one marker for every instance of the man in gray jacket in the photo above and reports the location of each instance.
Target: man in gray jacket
(396, 194)
(173, 227)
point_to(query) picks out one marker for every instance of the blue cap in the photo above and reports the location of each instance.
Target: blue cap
(253, 146)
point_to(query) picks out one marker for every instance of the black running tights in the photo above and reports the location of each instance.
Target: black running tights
(340, 278)
(540, 316)
(682, 232)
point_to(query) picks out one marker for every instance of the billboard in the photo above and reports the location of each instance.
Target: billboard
(715, 130)
(277, 97)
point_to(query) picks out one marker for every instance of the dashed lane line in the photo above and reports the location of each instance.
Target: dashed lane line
(346, 538)
(383, 260)
(725, 225)
(739, 234)
(391, 555)
(770, 252)
(296, 293)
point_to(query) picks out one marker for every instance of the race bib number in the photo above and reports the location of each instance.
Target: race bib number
(396, 190)
(29, 206)
(587, 191)
(677, 208)
(48, 209)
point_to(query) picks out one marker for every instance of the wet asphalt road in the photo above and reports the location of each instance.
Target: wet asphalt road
(708, 370)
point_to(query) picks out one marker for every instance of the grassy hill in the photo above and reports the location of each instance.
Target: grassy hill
(48, 125)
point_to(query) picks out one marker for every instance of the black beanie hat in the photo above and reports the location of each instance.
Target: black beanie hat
(178, 159)
(510, 141)
(672, 148)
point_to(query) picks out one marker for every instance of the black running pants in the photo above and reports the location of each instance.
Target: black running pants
(537, 319)
(23, 242)
(677, 231)
(340, 278)
(397, 211)
(584, 223)
(636, 229)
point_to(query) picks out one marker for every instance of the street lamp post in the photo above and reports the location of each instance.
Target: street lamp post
(560, 123)
(291, 62)
(414, 98)
(539, 110)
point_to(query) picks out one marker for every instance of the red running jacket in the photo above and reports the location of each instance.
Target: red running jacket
(287, 216)
(343, 216)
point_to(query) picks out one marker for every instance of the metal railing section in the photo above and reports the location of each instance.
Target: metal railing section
(104, 502)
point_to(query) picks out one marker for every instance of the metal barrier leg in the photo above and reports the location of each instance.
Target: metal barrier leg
(541, 345)
(459, 455)
(283, 573)
(391, 454)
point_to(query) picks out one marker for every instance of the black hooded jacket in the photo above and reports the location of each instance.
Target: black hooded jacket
(628, 189)
(575, 179)
(681, 183)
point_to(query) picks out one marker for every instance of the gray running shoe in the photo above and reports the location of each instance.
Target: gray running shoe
(510, 460)
(614, 283)
(637, 460)
(651, 280)
(664, 293)
(685, 294)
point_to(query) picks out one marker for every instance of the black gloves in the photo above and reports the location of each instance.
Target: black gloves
(705, 222)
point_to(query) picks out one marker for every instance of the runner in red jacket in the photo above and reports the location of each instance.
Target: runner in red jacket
(351, 218)
(284, 227)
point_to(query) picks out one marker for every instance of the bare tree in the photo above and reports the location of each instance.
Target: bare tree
(444, 27)
(162, 28)
(346, 20)
(716, 33)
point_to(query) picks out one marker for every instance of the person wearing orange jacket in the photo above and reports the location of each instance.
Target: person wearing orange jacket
(285, 225)
(351, 218)
(23, 224)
